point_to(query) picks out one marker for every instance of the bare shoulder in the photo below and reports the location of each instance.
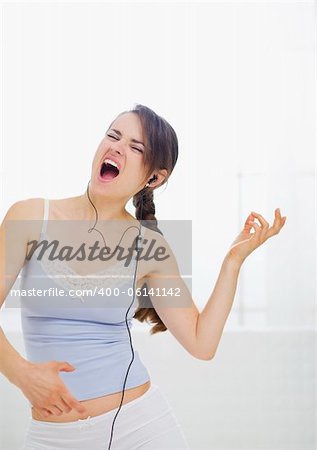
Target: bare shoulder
(152, 238)
(24, 218)
(162, 260)
(26, 209)
(15, 231)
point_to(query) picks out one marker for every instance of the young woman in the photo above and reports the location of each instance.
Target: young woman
(86, 385)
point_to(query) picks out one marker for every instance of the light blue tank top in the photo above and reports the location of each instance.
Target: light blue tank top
(88, 331)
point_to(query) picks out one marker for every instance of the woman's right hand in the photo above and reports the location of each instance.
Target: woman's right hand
(42, 386)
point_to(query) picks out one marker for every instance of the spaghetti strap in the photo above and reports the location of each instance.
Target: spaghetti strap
(45, 216)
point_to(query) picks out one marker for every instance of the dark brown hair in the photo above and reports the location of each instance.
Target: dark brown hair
(161, 153)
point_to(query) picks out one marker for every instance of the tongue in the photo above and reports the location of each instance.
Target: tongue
(108, 175)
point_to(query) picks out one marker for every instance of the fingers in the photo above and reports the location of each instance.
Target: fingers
(42, 411)
(248, 223)
(276, 227)
(278, 223)
(62, 405)
(55, 410)
(73, 403)
(261, 219)
(257, 230)
(47, 412)
(58, 409)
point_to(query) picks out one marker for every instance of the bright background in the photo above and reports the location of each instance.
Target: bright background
(237, 83)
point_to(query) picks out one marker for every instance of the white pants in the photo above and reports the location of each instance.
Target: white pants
(147, 423)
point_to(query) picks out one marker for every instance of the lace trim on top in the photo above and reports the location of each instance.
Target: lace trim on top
(68, 278)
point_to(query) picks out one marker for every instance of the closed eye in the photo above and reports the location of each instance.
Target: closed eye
(115, 137)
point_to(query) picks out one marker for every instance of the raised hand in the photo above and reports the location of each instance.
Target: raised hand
(246, 242)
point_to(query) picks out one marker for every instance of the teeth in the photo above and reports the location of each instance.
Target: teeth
(109, 161)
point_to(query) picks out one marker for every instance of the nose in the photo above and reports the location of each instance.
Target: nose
(116, 148)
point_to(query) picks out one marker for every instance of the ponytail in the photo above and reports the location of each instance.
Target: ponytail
(146, 197)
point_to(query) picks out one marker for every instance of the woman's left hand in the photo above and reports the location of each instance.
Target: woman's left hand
(246, 242)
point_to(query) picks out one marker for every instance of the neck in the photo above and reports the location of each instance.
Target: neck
(107, 208)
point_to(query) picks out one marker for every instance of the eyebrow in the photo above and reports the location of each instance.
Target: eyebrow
(120, 134)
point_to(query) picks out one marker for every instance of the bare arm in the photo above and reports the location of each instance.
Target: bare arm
(11, 262)
(212, 319)
(200, 333)
(11, 362)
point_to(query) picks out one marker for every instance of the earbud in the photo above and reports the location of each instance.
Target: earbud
(151, 180)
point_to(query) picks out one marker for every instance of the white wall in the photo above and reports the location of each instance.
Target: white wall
(236, 81)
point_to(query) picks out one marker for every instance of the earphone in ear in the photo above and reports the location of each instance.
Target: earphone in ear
(151, 180)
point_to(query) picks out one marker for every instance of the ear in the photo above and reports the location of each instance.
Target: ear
(161, 175)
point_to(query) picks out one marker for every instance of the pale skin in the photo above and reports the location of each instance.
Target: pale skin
(198, 332)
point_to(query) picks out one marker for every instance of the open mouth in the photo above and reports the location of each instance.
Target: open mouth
(108, 171)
